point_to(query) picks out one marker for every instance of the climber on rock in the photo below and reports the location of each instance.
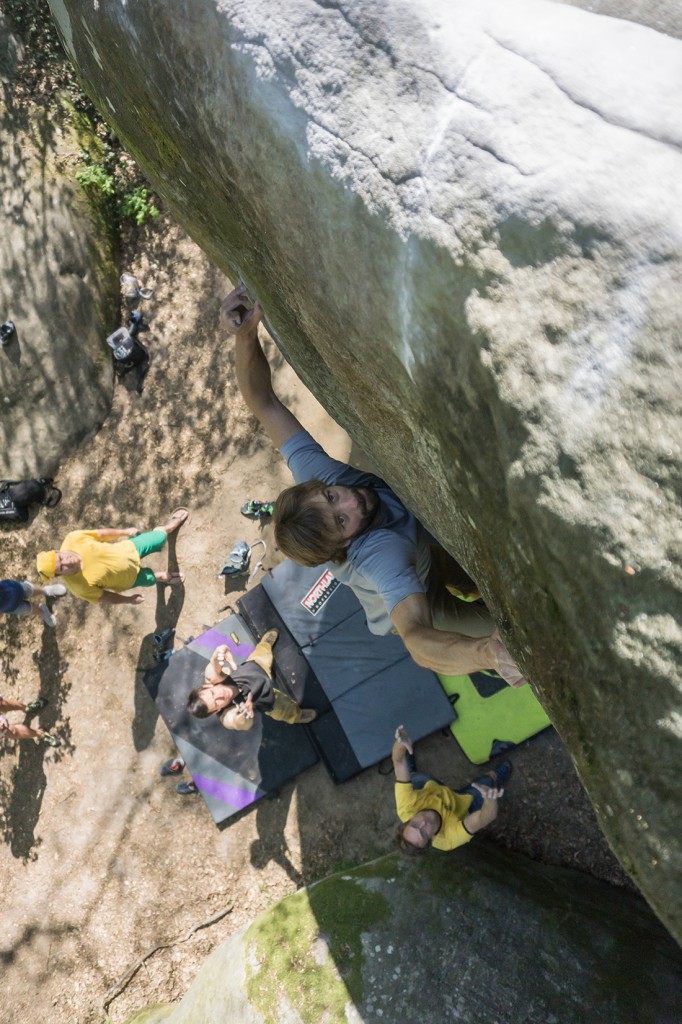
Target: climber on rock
(353, 522)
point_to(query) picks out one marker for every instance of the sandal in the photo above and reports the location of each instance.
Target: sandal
(174, 515)
(173, 579)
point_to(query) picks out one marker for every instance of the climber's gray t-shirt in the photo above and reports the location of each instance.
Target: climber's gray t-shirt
(390, 561)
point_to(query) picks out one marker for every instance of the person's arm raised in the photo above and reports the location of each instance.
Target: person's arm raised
(253, 370)
(401, 747)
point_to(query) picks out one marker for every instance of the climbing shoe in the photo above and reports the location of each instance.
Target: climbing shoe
(172, 767)
(163, 638)
(238, 561)
(257, 509)
(186, 788)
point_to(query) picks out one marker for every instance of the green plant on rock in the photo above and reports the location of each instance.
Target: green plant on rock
(115, 189)
(95, 178)
(138, 206)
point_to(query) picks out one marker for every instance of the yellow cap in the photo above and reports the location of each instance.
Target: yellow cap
(46, 563)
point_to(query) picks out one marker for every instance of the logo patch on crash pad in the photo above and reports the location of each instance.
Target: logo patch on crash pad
(320, 592)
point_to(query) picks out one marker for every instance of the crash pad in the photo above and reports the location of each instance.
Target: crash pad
(491, 716)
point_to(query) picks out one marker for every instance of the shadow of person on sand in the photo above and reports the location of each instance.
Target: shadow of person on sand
(169, 602)
(271, 818)
(23, 797)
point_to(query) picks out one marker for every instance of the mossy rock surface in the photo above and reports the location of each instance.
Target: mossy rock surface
(155, 1014)
(58, 284)
(476, 936)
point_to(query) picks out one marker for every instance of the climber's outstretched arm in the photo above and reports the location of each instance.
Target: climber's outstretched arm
(253, 370)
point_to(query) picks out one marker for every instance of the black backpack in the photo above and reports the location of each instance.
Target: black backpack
(128, 352)
(17, 496)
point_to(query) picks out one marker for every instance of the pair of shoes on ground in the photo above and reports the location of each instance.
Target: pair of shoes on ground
(175, 766)
(253, 509)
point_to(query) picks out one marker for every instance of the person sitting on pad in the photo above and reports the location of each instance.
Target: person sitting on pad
(235, 693)
(98, 565)
(434, 815)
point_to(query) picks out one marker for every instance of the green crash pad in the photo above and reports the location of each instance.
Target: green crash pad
(491, 716)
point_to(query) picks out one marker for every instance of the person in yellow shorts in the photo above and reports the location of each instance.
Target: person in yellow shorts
(435, 815)
(99, 565)
(235, 693)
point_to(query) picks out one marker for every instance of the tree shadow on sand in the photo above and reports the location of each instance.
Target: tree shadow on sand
(22, 796)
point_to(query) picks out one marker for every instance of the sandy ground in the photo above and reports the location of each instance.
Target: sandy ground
(101, 858)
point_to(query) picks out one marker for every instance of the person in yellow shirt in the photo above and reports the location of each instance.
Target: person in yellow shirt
(98, 565)
(435, 815)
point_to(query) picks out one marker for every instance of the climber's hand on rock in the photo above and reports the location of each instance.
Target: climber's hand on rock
(239, 312)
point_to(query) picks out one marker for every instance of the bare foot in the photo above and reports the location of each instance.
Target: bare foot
(173, 579)
(178, 517)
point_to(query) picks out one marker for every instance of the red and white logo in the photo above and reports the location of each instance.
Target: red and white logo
(320, 592)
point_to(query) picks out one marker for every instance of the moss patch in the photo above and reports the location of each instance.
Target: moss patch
(291, 942)
(151, 1014)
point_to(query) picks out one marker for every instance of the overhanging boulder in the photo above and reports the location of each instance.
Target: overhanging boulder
(475, 937)
(465, 223)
